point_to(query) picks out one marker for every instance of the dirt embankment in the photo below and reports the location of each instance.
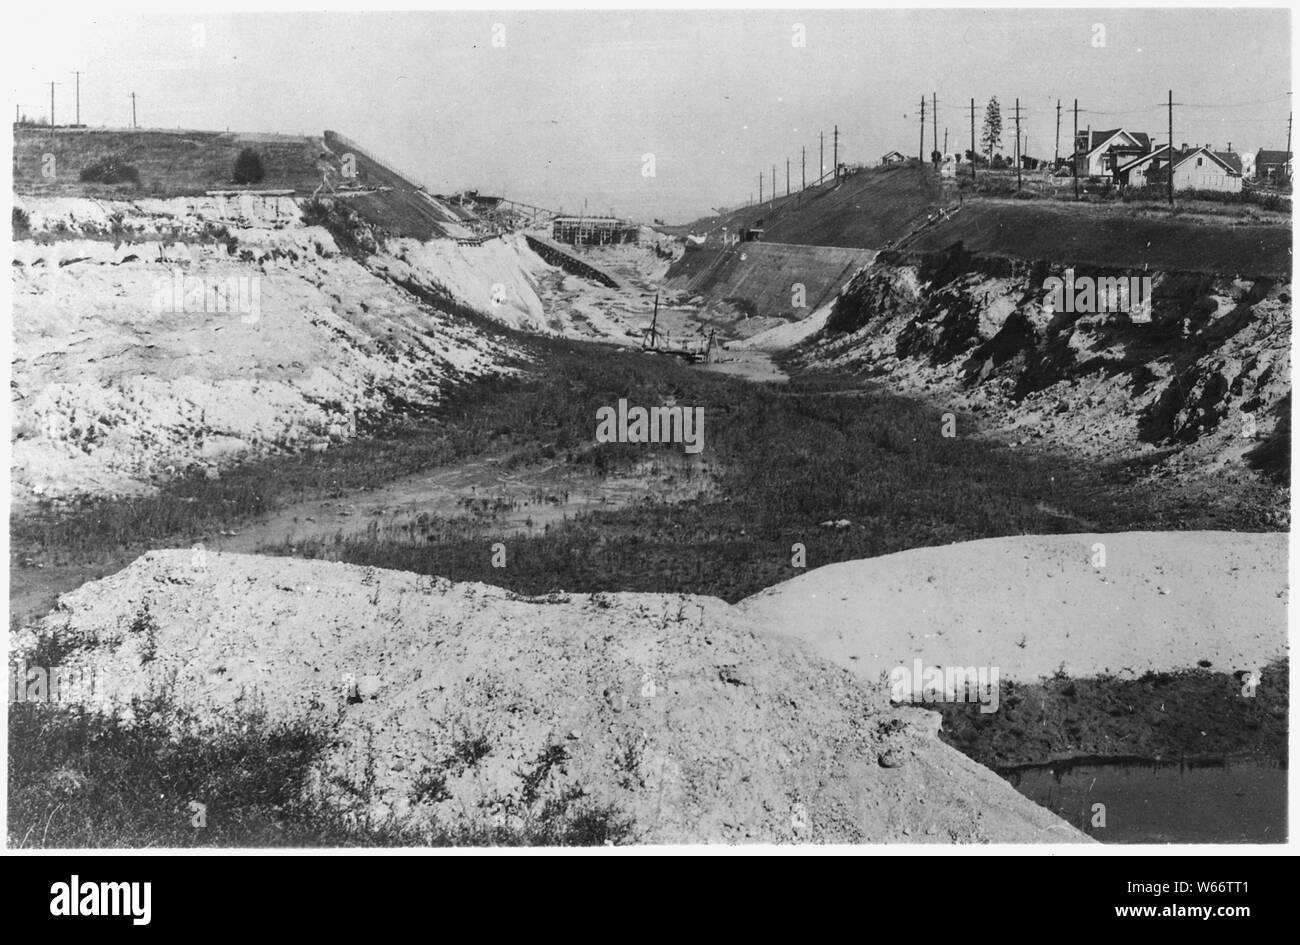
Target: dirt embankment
(1204, 383)
(1139, 645)
(154, 336)
(1082, 605)
(869, 209)
(452, 701)
(766, 279)
(1249, 242)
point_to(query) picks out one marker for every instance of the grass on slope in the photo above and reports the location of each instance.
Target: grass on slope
(170, 163)
(865, 211)
(78, 779)
(1118, 237)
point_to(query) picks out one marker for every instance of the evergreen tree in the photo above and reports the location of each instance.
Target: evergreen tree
(992, 134)
(248, 167)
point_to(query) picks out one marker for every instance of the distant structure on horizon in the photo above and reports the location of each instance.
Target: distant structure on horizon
(593, 231)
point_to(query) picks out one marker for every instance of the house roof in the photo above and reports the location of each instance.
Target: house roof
(1144, 158)
(1265, 156)
(892, 153)
(1228, 160)
(1100, 139)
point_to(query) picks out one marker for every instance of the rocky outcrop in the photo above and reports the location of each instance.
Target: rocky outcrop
(1203, 376)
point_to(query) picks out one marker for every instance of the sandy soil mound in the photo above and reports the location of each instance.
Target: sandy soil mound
(787, 334)
(467, 701)
(156, 335)
(1032, 604)
(498, 278)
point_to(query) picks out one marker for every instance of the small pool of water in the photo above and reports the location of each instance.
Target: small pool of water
(1229, 802)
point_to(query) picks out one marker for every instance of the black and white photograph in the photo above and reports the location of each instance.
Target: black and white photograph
(738, 430)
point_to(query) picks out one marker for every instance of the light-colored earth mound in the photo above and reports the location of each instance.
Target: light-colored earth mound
(676, 710)
(788, 334)
(1032, 604)
(155, 345)
(497, 278)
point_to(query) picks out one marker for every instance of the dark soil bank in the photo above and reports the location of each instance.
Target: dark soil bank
(1185, 757)
(1196, 715)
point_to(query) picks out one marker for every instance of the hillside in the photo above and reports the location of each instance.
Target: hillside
(1109, 235)
(1201, 391)
(898, 205)
(868, 210)
(763, 274)
(392, 202)
(156, 339)
(170, 163)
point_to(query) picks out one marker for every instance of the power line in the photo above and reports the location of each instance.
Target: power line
(1161, 105)
(1262, 101)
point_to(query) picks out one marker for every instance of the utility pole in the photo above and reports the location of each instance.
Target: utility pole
(1171, 147)
(934, 112)
(1017, 145)
(787, 177)
(921, 148)
(134, 123)
(52, 106)
(774, 182)
(1057, 159)
(836, 152)
(1074, 150)
(1288, 145)
(803, 173)
(945, 140)
(973, 162)
(78, 75)
(760, 187)
(821, 156)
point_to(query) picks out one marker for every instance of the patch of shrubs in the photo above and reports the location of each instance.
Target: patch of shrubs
(110, 171)
(350, 232)
(248, 167)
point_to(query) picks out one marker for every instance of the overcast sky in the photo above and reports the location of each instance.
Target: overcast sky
(570, 105)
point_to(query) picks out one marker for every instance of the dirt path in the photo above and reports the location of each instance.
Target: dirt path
(511, 501)
(749, 365)
(526, 501)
